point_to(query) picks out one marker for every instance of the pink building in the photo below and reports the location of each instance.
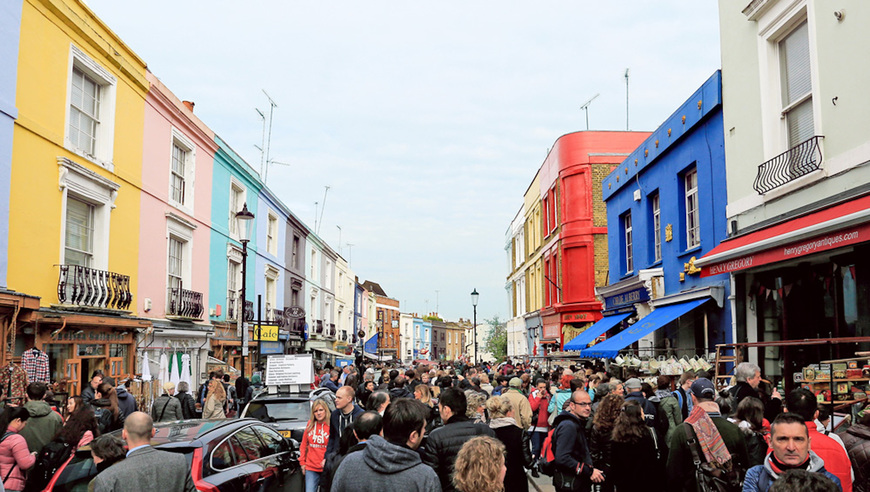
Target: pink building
(174, 231)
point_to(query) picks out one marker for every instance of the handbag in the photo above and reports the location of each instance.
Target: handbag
(710, 478)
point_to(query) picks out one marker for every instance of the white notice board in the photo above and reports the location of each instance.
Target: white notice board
(289, 369)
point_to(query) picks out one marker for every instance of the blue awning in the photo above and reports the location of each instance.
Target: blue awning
(596, 330)
(371, 346)
(660, 317)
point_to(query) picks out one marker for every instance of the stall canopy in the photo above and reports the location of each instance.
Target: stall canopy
(660, 317)
(596, 330)
(330, 352)
(375, 357)
(371, 346)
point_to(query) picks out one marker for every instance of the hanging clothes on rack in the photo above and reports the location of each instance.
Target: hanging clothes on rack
(185, 370)
(35, 363)
(164, 369)
(13, 379)
(175, 367)
(146, 367)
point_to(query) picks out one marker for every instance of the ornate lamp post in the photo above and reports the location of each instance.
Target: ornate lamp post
(474, 296)
(244, 218)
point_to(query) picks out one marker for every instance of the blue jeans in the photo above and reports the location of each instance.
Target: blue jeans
(537, 443)
(312, 480)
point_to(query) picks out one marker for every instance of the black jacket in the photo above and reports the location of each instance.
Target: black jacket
(636, 466)
(740, 391)
(400, 393)
(444, 443)
(188, 407)
(570, 447)
(519, 456)
(334, 426)
(649, 410)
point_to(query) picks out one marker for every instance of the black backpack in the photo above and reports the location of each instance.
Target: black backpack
(708, 477)
(52, 456)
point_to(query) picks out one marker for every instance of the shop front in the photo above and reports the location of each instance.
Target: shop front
(176, 352)
(77, 345)
(805, 278)
(226, 346)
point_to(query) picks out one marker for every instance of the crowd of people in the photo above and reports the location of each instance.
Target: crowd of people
(433, 427)
(479, 429)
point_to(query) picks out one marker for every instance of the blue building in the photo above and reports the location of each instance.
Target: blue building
(10, 25)
(665, 209)
(422, 339)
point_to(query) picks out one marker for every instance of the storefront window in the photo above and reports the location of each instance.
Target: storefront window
(850, 301)
(91, 350)
(57, 354)
(118, 350)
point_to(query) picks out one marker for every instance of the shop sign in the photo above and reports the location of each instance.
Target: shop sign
(568, 318)
(626, 298)
(792, 250)
(93, 336)
(289, 369)
(268, 333)
(294, 312)
(269, 348)
(90, 350)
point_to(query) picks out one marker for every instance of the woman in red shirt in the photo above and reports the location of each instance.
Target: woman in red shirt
(314, 441)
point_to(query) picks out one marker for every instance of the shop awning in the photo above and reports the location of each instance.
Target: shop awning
(330, 352)
(834, 227)
(375, 357)
(596, 330)
(660, 317)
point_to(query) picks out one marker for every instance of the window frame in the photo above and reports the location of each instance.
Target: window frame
(184, 144)
(272, 231)
(90, 226)
(239, 192)
(691, 197)
(103, 138)
(628, 242)
(656, 223)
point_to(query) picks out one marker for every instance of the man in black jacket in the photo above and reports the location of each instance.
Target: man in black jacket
(444, 443)
(570, 448)
(345, 413)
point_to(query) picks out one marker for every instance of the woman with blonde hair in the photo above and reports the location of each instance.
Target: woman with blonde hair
(214, 404)
(312, 451)
(480, 466)
(515, 440)
(424, 394)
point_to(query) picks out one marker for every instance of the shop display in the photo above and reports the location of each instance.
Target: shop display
(839, 383)
(13, 379)
(35, 364)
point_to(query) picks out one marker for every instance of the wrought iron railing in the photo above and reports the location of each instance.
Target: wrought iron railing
(249, 311)
(186, 303)
(797, 161)
(231, 309)
(277, 315)
(331, 332)
(319, 326)
(88, 287)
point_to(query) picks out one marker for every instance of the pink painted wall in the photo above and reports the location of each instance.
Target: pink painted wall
(163, 112)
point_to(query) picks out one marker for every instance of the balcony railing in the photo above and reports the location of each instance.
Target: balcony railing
(231, 310)
(797, 161)
(277, 315)
(331, 331)
(88, 287)
(184, 303)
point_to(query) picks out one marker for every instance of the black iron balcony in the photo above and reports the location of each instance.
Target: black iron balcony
(319, 327)
(277, 316)
(332, 330)
(797, 161)
(88, 287)
(184, 303)
(249, 311)
(231, 309)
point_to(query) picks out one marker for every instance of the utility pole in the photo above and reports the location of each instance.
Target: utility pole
(626, 99)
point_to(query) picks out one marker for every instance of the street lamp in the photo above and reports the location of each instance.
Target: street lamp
(474, 296)
(244, 220)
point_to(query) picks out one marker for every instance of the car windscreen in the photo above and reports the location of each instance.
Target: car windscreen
(273, 411)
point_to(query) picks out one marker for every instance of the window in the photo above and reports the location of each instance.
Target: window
(294, 297)
(313, 263)
(176, 179)
(237, 201)
(222, 456)
(327, 274)
(546, 218)
(273, 441)
(175, 264)
(295, 260)
(655, 205)
(551, 210)
(251, 447)
(79, 241)
(693, 228)
(795, 78)
(181, 174)
(272, 235)
(629, 248)
(272, 275)
(90, 109)
(234, 279)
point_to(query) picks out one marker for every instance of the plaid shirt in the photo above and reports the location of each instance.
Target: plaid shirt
(35, 364)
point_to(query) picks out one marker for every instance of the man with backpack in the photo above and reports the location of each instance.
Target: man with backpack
(44, 423)
(572, 459)
(668, 415)
(708, 439)
(683, 393)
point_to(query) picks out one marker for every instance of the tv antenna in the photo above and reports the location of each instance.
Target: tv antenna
(585, 108)
(349, 254)
(319, 222)
(265, 147)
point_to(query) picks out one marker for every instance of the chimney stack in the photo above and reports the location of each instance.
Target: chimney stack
(189, 104)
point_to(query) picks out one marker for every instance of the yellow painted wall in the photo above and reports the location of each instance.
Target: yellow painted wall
(48, 28)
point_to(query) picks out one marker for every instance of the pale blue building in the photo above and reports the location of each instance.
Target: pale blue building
(10, 25)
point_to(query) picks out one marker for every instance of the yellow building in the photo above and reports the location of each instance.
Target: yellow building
(75, 191)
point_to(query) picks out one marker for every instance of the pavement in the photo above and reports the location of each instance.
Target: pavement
(542, 483)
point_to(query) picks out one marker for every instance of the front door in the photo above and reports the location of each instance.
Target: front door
(73, 375)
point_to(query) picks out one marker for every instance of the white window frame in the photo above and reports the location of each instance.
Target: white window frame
(186, 145)
(693, 211)
(80, 183)
(272, 232)
(271, 275)
(236, 185)
(104, 140)
(88, 251)
(657, 226)
(628, 232)
(181, 230)
(776, 20)
(234, 263)
(313, 263)
(327, 275)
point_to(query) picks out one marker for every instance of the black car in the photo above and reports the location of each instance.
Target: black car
(288, 413)
(224, 455)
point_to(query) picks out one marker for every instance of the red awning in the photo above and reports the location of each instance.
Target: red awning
(834, 227)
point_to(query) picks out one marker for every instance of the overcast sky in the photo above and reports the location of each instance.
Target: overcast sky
(427, 120)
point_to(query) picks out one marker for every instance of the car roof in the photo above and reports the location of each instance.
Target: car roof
(190, 433)
(281, 397)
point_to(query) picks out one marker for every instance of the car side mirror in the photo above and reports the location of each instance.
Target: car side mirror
(294, 444)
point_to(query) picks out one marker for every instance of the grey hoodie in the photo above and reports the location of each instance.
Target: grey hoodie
(384, 466)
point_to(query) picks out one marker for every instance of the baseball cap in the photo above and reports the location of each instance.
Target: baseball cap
(703, 388)
(633, 383)
(516, 382)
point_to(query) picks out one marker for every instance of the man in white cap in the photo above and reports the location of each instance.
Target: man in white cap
(166, 407)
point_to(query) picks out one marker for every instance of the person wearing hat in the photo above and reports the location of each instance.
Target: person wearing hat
(166, 407)
(708, 430)
(633, 392)
(522, 407)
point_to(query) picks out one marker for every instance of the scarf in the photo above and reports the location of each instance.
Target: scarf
(780, 468)
(709, 439)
